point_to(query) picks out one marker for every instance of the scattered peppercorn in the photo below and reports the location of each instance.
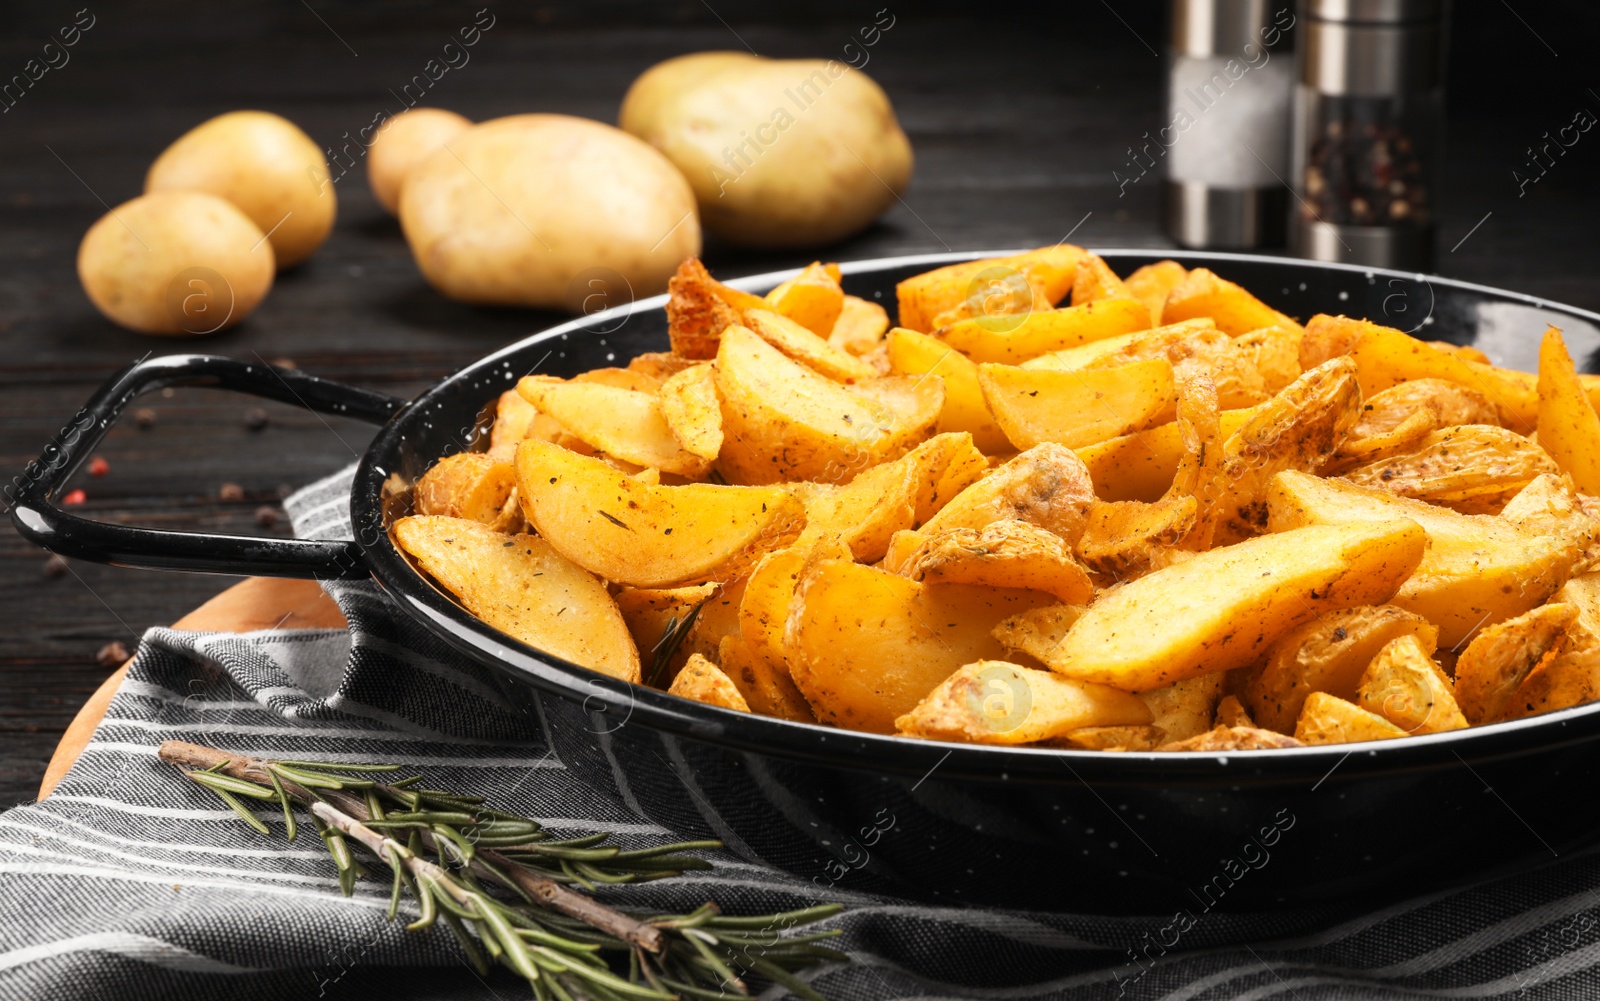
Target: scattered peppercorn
(55, 566)
(284, 362)
(230, 493)
(75, 497)
(98, 466)
(144, 417)
(255, 418)
(113, 654)
(266, 516)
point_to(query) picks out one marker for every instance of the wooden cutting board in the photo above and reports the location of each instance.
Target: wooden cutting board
(252, 604)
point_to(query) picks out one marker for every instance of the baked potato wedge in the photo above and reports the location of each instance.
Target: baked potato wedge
(860, 327)
(621, 422)
(1405, 687)
(1275, 353)
(689, 405)
(1011, 554)
(1036, 631)
(1474, 469)
(812, 298)
(1569, 429)
(522, 586)
(1500, 658)
(809, 349)
(996, 702)
(1152, 283)
(472, 485)
(1141, 466)
(1010, 339)
(1328, 719)
(1234, 310)
(1034, 406)
(1223, 608)
(703, 681)
(925, 296)
(914, 354)
(1185, 709)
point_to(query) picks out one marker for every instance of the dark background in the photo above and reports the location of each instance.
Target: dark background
(1018, 114)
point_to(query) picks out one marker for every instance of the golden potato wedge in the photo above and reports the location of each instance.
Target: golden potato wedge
(1474, 469)
(1049, 269)
(1360, 449)
(1186, 708)
(1464, 351)
(1199, 425)
(703, 681)
(621, 422)
(1152, 283)
(1231, 738)
(807, 348)
(894, 496)
(1011, 554)
(1154, 342)
(1036, 631)
(1569, 429)
(1046, 486)
(1328, 654)
(996, 702)
(1571, 678)
(1478, 570)
(812, 298)
(662, 364)
(649, 536)
(1234, 310)
(637, 380)
(1300, 428)
(1208, 351)
(1223, 608)
(522, 586)
(1386, 357)
(1095, 280)
(1231, 713)
(1127, 539)
(765, 684)
(1450, 404)
(1076, 408)
(1502, 656)
(914, 354)
(1014, 338)
(786, 422)
(1142, 466)
(689, 404)
(1405, 687)
(513, 418)
(1582, 592)
(1111, 738)
(714, 619)
(697, 312)
(650, 612)
(1549, 506)
(865, 646)
(860, 326)
(1328, 719)
(1275, 353)
(769, 594)
(470, 485)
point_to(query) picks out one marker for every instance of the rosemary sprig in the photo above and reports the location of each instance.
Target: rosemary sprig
(671, 638)
(566, 944)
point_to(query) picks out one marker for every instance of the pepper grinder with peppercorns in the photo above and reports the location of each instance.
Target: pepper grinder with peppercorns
(1369, 109)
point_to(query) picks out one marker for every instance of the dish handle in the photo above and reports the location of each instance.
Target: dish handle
(33, 494)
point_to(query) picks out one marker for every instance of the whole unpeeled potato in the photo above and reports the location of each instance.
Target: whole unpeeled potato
(531, 210)
(175, 262)
(266, 166)
(403, 142)
(781, 152)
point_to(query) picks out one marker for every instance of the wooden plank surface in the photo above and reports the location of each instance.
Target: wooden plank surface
(1018, 120)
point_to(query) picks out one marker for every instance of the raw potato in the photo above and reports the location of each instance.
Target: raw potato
(689, 405)
(784, 422)
(1012, 339)
(522, 586)
(1497, 662)
(1011, 554)
(1478, 569)
(1568, 426)
(780, 152)
(620, 422)
(470, 485)
(1328, 654)
(1328, 719)
(403, 142)
(795, 341)
(1473, 469)
(1037, 631)
(517, 210)
(811, 298)
(1141, 467)
(175, 262)
(911, 353)
(1405, 687)
(703, 681)
(1234, 310)
(866, 646)
(1223, 608)
(996, 702)
(1048, 274)
(656, 536)
(860, 327)
(1034, 406)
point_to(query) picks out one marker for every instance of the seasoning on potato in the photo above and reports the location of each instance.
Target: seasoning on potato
(780, 152)
(518, 209)
(404, 141)
(175, 262)
(265, 165)
(1227, 533)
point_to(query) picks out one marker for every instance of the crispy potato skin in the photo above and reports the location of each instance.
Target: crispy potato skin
(1036, 631)
(1478, 569)
(469, 485)
(703, 681)
(1328, 719)
(1495, 664)
(1002, 554)
(1141, 466)
(1185, 709)
(1474, 469)
(522, 586)
(1152, 283)
(1223, 608)
(1110, 738)
(1405, 687)
(996, 702)
(1231, 738)
(1549, 506)
(860, 326)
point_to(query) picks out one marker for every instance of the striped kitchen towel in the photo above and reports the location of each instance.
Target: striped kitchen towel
(130, 883)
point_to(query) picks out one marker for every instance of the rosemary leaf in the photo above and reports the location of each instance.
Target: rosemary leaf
(336, 766)
(229, 784)
(288, 809)
(243, 811)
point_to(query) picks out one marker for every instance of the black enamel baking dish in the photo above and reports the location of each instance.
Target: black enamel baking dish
(1024, 828)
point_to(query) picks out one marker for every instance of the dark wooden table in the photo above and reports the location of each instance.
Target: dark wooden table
(1018, 119)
